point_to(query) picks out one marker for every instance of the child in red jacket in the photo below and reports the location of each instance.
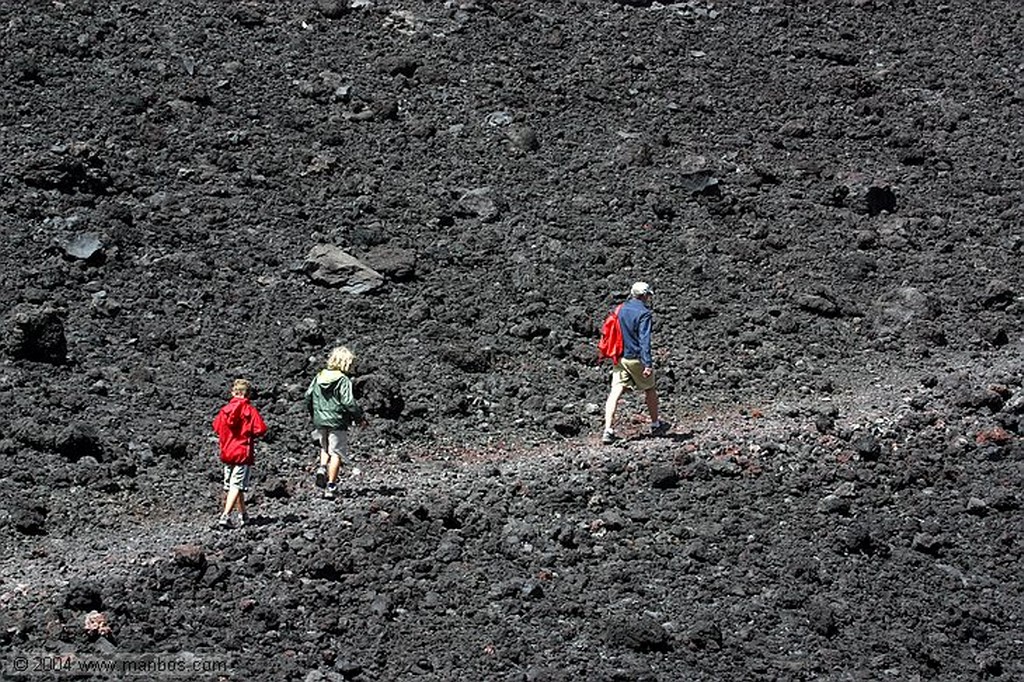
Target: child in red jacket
(237, 425)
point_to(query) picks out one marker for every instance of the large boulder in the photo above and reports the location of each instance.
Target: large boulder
(331, 266)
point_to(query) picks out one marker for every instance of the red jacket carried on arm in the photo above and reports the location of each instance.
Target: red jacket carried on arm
(237, 425)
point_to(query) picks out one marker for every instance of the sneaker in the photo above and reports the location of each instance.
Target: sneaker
(224, 521)
(243, 519)
(330, 492)
(321, 476)
(608, 437)
(660, 428)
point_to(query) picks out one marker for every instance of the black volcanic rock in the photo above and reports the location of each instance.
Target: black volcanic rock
(36, 333)
(824, 196)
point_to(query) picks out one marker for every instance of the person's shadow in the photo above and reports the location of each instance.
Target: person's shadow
(672, 436)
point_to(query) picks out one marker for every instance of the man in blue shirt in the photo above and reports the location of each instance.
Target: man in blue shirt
(635, 370)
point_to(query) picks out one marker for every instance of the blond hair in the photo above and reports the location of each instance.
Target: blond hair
(341, 359)
(241, 387)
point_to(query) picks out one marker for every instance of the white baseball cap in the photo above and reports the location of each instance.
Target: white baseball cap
(640, 289)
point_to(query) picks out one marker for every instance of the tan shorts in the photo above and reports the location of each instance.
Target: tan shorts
(630, 374)
(333, 441)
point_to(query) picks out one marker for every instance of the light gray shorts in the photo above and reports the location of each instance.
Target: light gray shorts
(333, 441)
(237, 476)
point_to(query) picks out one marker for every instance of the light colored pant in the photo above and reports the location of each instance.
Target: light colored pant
(237, 476)
(630, 374)
(333, 441)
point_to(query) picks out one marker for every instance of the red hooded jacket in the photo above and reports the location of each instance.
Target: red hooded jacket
(236, 425)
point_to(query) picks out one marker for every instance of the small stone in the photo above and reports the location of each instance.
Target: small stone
(86, 246)
(833, 504)
(78, 440)
(498, 118)
(523, 138)
(478, 203)
(817, 304)
(189, 555)
(396, 264)
(567, 425)
(29, 518)
(102, 305)
(308, 332)
(797, 128)
(724, 467)
(845, 489)
(824, 423)
(641, 634)
(703, 635)
(926, 543)
(277, 489)
(822, 619)
(36, 333)
(867, 448)
(995, 435)
(664, 478)
(83, 596)
(977, 507)
(332, 9)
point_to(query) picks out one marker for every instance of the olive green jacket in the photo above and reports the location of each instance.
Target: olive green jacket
(330, 401)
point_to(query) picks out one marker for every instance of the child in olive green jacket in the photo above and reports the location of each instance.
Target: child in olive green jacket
(333, 407)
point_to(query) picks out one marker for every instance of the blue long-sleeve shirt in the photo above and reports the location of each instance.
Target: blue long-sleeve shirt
(635, 323)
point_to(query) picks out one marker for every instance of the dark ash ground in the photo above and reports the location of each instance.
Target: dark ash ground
(826, 197)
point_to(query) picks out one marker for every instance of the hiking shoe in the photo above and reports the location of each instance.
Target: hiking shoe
(330, 491)
(243, 519)
(321, 476)
(660, 428)
(224, 521)
(608, 437)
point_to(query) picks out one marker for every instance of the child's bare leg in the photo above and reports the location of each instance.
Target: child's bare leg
(333, 469)
(232, 499)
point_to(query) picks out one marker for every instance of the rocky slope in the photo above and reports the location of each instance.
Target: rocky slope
(825, 196)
